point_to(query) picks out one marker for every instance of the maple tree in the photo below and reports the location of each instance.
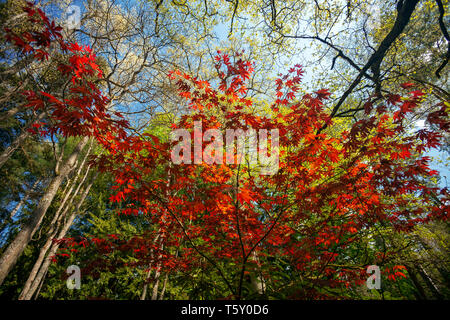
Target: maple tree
(331, 189)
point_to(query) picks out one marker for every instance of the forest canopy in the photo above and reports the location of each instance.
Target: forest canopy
(226, 149)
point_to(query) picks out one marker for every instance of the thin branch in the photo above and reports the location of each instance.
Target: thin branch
(446, 35)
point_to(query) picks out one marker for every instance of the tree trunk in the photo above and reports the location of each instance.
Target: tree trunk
(144, 290)
(420, 293)
(19, 205)
(16, 247)
(429, 282)
(156, 285)
(46, 264)
(163, 291)
(54, 227)
(37, 277)
(40, 287)
(32, 276)
(24, 199)
(6, 97)
(158, 272)
(7, 153)
(257, 280)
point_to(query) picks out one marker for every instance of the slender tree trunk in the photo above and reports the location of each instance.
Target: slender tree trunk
(430, 284)
(420, 293)
(46, 263)
(20, 204)
(16, 247)
(40, 286)
(156, 285)
(158, 236)
(32, 276)
(257, 280)
(54, 225)
(158, 272)
(10, 21)
(24, 199)
(6, 97)
(7, 153)
(144, 290)
(52, 233)
(163, 291)
(43, 265)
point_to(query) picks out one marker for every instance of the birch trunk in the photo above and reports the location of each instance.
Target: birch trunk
(16, 247)
(44, 267)
(163, 291)
(156, 285)
(45, 263)
(52, 234)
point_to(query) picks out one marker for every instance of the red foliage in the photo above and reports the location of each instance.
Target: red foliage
(84, 111)
(328, 190)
